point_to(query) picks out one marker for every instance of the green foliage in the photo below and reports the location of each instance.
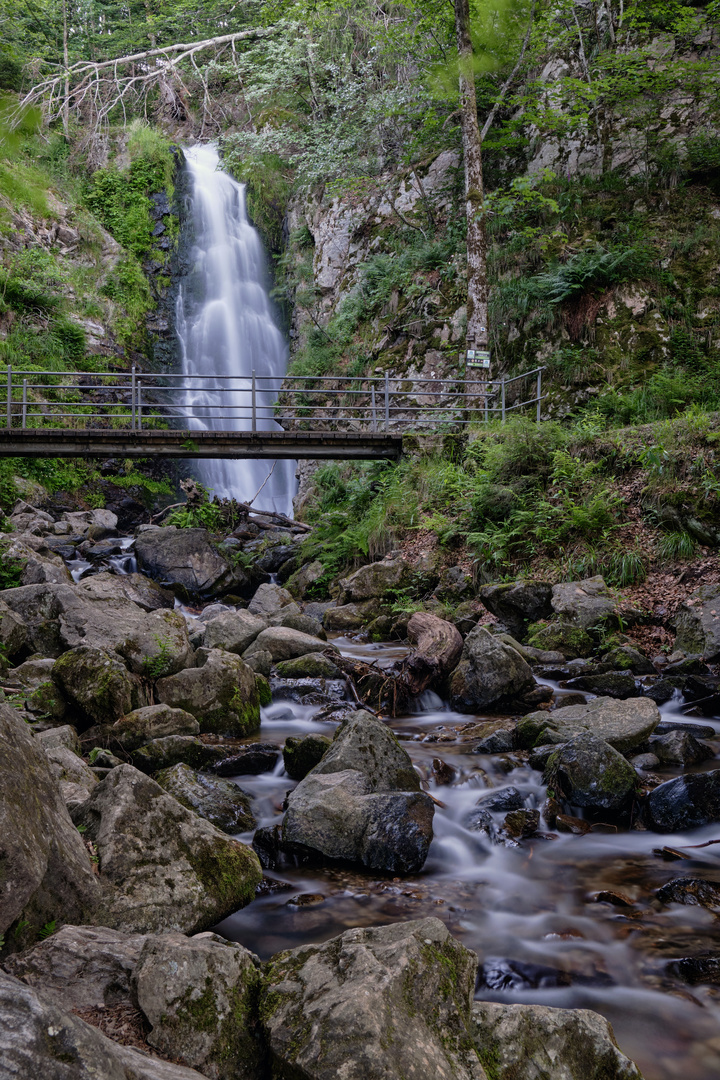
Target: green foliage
(157, 666)
(675, 546)
(47, 930)
(266, 193)
(11, 569)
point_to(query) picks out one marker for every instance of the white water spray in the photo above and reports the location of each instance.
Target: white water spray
(226, 326)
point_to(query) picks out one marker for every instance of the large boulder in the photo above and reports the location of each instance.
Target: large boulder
(13, 632)
(376, 580)
(38, 1039)
(686, 802)
(137, 588)
(39, 565)
(362, 803)
(76, 779)
(589, 603)
(168, 868)
(81, 967)
(698, 623)
(219, 801)
(518, 603)
(233, 631)
(301, 582)
(98, 683)
(200, 995)
(622, 724)
(349, 618)
(301, 754)
(312, 665)
(562, 637)
(61, 617)
(531, 1042)
(270, 599)
(45, 870)
(283, 643)
(489, 671)
(188, 562)
(588, 772)
(373, 1004)
(141, 726)
(221, 693)
(615, 684)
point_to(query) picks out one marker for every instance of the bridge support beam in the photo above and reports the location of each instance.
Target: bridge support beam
(333, 445)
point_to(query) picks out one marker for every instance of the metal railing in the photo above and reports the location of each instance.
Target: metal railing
(144, 400)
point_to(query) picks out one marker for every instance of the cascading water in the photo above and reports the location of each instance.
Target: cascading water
(226, 327)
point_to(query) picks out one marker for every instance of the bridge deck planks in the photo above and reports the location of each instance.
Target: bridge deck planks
(63, 442)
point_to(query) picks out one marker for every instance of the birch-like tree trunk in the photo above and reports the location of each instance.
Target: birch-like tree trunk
(477, 294)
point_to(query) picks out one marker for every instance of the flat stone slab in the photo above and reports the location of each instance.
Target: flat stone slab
(623, 724)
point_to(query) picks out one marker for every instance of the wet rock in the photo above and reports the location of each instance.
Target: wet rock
(615, 684)
(479, 820)
(626, 658)
(499, 973)
(686, 665)
(301, 754)
(645, 762)
(694, 892)
(285, 644)
(518, 603)
(13, 632)
(188, 562)
(685, 802)
(622, 724)
(309, 666)
(233, 631)
(588, 772)
(372, 1004)
(98, 683)
(587, 603)
(488, 672)
(680, 748)
(38, 1039)
(504, 799)
(442, 772)
(269, 600)
(526, 1042)
(46, 870)
(221, 693)
(175, 749)
(362, 803)
(561, 637)
(219, 801)
(170, 869)
(696, 970)
(662, 690)
(376, 580)
(136, 588)
(199, 995)
(568, 824)
(61, 617)
(521, 824)
(251, 760)
(698, 623)
(497, 741)
(152, 722)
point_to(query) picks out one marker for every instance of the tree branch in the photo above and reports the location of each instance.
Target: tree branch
(506, 86)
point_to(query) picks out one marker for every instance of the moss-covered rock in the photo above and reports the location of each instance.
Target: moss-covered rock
(174, 749)
(588, 772)
(221, 693)
(152, 722)
(310, 666)
(623, 724)
(301, 754)
(219, 801)
(571, 641)
(98, 683)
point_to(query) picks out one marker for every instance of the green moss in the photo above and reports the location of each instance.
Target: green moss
(263, 690)
(571, 641)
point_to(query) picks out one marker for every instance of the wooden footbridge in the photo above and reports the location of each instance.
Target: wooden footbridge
(138, 414)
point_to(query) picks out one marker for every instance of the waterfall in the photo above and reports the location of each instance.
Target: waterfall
(226, 326)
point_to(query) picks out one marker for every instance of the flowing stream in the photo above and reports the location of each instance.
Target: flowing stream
(227, 327)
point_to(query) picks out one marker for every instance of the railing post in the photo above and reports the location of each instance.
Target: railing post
(254, 402)
(503, 399)
(9, 396)
(132, 398)
(486, 401)
(24, 404)
(372, 408)
(539, 393)
(139, 404)
(387, 401)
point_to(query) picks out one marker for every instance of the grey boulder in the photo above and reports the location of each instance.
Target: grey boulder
(588, 603)
(233, 631)
(168, 868)
(284, 643)
(622, 724)
(98, 683)
(489, 671)
(698, 623)
(187, 561)
(45, 869)
(531, 1042)
(221, 693)
(13, 632)
(152, 722)
(39, 1040)
(518, 603)
(373, 1004)
(219, 801)
(685, 802)
(588, 772)
(376, 580)
(270, 599)
(137, 588)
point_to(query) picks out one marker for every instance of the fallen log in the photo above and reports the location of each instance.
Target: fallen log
(376, 690)
(438, 645)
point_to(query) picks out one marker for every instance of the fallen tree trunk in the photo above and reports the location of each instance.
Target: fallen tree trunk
(438, 645)
(376, 690)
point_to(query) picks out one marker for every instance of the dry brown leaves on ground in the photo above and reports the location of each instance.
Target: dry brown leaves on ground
(122, 1023)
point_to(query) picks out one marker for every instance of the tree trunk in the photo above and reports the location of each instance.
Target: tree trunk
(477, 296)
(66, 87)
(438, 645)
